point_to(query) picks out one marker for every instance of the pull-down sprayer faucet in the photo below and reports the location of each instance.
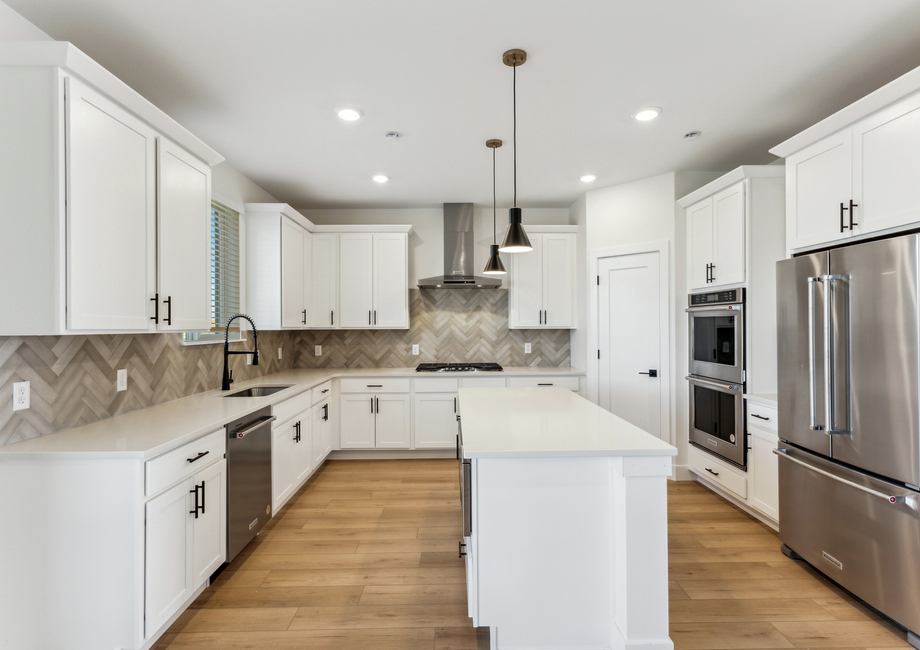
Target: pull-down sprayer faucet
(225, 385)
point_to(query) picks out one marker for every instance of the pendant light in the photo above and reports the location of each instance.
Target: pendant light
(515, 240)
(494, 266)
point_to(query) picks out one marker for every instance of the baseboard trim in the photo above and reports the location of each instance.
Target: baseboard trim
(682, 473)
(735, 502)
(149, 643)
(378, 454)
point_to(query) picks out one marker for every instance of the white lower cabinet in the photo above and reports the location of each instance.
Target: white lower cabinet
(186, 542)
(375, 421)
(292, 456)
(322, 432)
(303, 448)
(392, 421)
(763, 465)
(435, 420)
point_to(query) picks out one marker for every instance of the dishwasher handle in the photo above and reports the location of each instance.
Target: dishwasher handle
(260, 423)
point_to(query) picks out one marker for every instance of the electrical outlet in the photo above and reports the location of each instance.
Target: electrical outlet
(317, 350)
(279, 353)
(415, 349)
(122, 382)
(527, 348)
(22, 395)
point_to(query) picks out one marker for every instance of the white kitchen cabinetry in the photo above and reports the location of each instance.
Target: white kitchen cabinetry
(325, 280)
(357, 421)
(373, 281)
(541, 291)
(391, 281)
(279, 251)
(292, 457)
(322, 431)
(715, 239)
(91, 214)
(375, 413)
(356, 280)
(853, 175)
(435, 420)
(763, 465)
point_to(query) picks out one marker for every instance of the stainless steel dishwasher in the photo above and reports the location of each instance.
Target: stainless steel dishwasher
(249, 478)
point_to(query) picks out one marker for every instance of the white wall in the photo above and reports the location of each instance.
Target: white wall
(578, 216)
(426, 241)
(230, 187)
(14, 27)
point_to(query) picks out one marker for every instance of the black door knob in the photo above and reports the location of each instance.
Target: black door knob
(650, 373)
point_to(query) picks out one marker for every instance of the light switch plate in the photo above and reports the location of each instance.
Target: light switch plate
(22, 395)
(317, 350)
(527, 348)
(122, 382)
(279, 353)
(415, 349)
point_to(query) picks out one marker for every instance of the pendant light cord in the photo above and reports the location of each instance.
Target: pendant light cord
(514, 127)
(493, 197)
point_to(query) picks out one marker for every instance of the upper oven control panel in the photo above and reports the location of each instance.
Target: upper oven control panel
(724, 297)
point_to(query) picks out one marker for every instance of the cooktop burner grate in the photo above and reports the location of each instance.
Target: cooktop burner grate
(458, 367)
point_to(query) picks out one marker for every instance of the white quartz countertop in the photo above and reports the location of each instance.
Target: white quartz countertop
(157, 429)
(549, 422)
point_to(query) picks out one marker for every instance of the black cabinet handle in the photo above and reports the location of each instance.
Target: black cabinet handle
(304, 316)
(375, 385)
(852, 205)
(372, 405)
(156, 308)
(325, 390)
(650, 373)
(458, 446)
(332, 318)
(168, 318)
(455, 405)
(711, 472)
(460, 549)
(378, 405)
(712, 272)
(325, 411)
(203, 500)
(297, 431)
(545, 317)
(544, 384)
(368, 316)
(375, 317)
(541, 316)
(843, 209)
(759, 417)
(199, 507)
(201, 455)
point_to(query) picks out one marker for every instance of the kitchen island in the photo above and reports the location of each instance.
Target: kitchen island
(565, 522)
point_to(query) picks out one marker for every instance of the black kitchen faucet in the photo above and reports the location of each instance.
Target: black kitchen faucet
(225, 385)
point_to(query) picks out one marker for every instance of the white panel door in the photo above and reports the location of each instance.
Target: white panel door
(435, 420)
(728, 241)
(558, 280)
(209, 530)
(629, 338)
(699, 243)
(391, 281)
(818, 179)
(111, 224)
(763, 471)
(886, 166)
(392, 421)
(527, 286)
(307, 278)
(303, 448)
(321, 432)
(325, 280)
(183, 239)
(168, 571)
(293, 310)
(357, 421)
(356, 280)
(282, 463)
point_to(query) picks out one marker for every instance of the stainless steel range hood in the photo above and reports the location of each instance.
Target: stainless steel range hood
(458, 253)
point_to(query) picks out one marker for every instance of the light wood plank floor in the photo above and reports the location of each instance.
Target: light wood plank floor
(365, 557)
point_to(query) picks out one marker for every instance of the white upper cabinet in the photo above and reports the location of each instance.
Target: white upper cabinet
(715, 238)
(541, 289)
(356, 280)
(106, 221)
(853, 175)
(391, 281)
(325, 279)
(293, 260)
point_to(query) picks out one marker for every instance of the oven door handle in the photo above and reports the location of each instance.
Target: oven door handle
(725, 388)
(716, 309)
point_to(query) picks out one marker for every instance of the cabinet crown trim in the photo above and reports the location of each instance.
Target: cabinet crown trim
(363, 228)
(279, 208)
(727, 180)
(68, 57)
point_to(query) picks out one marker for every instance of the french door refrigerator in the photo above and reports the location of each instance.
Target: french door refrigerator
(849, 419)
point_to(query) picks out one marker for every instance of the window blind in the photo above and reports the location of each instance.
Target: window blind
(225, 266)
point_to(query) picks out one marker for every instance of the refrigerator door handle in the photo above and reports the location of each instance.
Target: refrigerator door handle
(881, 495)
(830, 365)
(812, 362)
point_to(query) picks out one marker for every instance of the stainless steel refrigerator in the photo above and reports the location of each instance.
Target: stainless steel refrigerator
(849, 419)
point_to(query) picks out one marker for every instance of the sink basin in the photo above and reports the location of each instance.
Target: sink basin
(258, 391)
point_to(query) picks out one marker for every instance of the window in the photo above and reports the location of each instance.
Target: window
(225, 275)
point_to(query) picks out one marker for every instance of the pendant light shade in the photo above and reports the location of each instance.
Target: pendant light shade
(515, 240)
(494, 266)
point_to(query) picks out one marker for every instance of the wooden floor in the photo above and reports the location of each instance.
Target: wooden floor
(365, 557)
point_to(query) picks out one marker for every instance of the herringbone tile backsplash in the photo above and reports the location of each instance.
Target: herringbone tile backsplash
(73, 377)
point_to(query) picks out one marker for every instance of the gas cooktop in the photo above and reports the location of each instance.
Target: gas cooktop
(458, 367)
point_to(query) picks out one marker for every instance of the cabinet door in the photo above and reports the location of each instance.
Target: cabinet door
(699, 244)
(329, 428)
(391, 281)
(325, 280)
(320, 432)
(303, 448)
(209, 530)
(293, 312)
(526, 291)
(183, 239)
(168, 582)
(558, 280)
(728, 240)
(818, 180)
(763, 472)
(392, 421)
(435, 420)
(886, 166)
(357, 424)
(111, 224)
(282, 463)
(356, 280)
(307, 278)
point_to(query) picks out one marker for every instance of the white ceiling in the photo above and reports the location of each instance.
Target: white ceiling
(259, 82)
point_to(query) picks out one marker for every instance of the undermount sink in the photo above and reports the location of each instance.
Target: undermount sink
(258, 391)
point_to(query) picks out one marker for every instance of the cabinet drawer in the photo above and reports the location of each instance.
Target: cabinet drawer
(482, 382)
(321, 392)
(712, 469)
(566, 382)
(292, 407)
(428, 385)
(390, 385)
(177, 464)
(761, 417)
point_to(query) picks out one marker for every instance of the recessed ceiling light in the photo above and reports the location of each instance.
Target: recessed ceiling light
(587, 178)
(647, 113)
(350, 114)
(380, 178)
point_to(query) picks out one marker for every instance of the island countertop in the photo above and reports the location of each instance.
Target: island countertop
(547, 423)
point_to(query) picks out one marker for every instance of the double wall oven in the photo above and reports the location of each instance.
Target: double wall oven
(717, 374)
